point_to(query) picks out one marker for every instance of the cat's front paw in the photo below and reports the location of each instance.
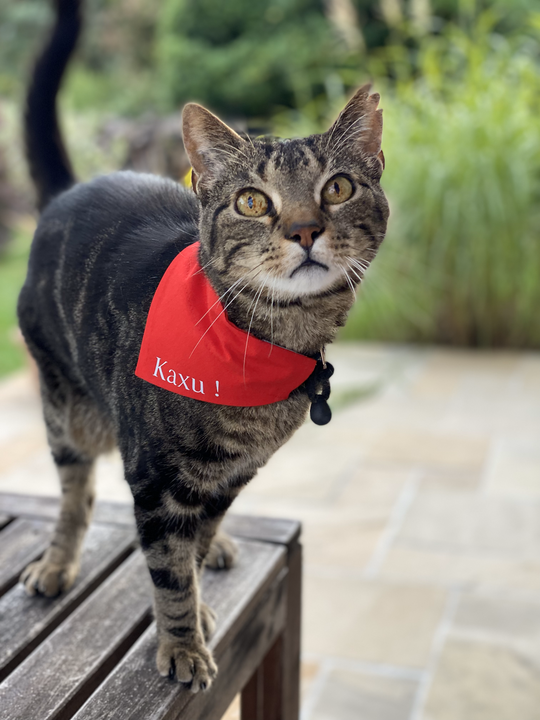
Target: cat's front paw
(47, 578)
(223, 553)
(193, 666)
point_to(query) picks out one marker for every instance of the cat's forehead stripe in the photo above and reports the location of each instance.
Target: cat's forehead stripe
(289, 155)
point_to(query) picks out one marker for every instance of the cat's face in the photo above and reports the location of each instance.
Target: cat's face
(294, 217)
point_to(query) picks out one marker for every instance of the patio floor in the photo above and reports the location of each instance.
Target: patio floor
(421, 511)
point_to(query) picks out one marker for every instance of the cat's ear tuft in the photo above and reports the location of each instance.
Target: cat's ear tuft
(209, 143)
(360, 123)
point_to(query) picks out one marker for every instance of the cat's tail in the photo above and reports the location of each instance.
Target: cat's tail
(50, 167)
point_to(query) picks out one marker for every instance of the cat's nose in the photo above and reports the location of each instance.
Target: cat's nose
(304, 233)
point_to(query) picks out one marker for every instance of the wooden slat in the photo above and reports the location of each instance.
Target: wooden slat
(29, 505)
(4, 519)
(250, 600)
(20, 543)
(34, 506)
(265, 529)
(54, 681)
(26, 621)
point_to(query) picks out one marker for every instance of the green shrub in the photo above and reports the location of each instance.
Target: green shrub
(245, 57)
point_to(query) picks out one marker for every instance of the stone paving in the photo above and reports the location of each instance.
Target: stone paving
(421, 511)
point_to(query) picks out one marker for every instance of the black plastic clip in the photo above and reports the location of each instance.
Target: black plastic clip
(318, 390)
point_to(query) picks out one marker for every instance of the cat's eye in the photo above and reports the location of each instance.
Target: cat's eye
(337, 190)
(252, 203)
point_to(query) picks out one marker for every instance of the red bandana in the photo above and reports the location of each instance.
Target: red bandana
(191, 348)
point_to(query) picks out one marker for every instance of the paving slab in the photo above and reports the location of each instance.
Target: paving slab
(473, 522)
(480, 681)
(350, 695)
(368, 621)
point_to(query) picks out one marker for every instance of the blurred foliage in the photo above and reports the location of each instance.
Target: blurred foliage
(22, 25)
(247, 56)
(461, 263)
(12, 274)
(242, 58)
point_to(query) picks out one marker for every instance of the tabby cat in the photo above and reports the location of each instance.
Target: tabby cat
(291, 225)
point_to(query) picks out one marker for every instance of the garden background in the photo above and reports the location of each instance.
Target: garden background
(460, 86)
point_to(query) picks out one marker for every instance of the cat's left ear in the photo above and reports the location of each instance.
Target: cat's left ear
(360, 124)
(209, 144)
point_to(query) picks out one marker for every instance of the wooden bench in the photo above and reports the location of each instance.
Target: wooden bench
(90, 654)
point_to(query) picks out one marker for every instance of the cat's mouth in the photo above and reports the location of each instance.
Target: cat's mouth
(308, 263)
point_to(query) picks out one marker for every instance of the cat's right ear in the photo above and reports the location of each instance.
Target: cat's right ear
(360, 124)
(209, 143)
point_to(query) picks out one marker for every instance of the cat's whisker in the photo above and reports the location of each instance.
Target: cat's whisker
(351, 284)
(355, 273)
(360, 264)
(349, 281)
(359, 270)
(352, 263)
(201, 269)
(360, 267)
(221, 313)
(272, 318)
(270, 311)
(256, 301)
(235, 284)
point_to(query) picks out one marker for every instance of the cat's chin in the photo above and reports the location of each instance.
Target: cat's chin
(306, 281)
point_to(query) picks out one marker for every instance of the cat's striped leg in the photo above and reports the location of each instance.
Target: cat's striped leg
(169, 542)
(76, 434)
(57, 569)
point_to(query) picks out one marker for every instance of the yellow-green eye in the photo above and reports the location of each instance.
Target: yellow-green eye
(337, 190)
(252, 203)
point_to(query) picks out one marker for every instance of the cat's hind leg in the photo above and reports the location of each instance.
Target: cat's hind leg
(77, 434)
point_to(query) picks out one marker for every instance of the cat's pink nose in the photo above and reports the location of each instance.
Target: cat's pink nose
(304, 233)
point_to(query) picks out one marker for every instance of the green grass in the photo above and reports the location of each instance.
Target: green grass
(13, 264)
